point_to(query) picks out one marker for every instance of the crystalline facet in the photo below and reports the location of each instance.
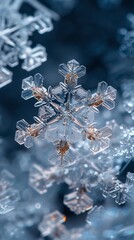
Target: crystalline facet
(78, 202)
(72, 67)
(51, 222)
(33, 58)
(26, 132)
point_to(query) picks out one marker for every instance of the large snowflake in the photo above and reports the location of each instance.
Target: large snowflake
(66, 114)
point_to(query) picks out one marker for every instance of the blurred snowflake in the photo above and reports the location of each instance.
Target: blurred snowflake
(15, 30)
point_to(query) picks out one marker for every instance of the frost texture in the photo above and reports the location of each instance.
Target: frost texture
(15, 30)
(66, 114)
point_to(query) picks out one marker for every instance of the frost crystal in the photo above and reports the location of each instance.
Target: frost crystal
(66, 114)
(15, 30)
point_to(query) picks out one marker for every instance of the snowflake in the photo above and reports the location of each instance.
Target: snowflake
(15, 30)
(66, 114)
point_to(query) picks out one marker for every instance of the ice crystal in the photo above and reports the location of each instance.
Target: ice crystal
(113, 187)
(51, 224)
(78, 201)
(66, 114)
(94, 214)
(8, 194)
(40, 179)
(15, 30)
(80, 182)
